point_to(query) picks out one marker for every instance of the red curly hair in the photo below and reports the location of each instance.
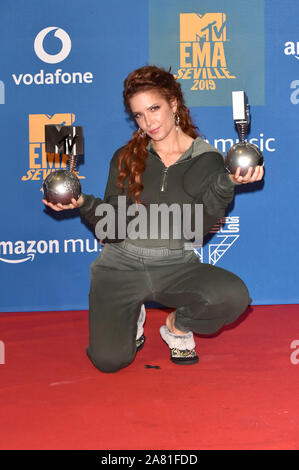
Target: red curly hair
(132, 160)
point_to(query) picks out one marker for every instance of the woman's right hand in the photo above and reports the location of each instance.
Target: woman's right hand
(61, 207)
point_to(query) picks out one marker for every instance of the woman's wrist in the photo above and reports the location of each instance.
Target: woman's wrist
(80, 200)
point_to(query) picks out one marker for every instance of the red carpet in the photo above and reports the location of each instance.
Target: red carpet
(243, 394)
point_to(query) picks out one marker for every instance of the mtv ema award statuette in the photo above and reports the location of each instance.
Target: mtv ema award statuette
(63, 185)
(243, 154)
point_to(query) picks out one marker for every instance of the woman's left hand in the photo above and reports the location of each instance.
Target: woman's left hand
(252, 175)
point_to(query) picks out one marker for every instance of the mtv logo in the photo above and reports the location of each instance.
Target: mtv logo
(64, 139)
(195, 27)
(37, 124)
(2, 93)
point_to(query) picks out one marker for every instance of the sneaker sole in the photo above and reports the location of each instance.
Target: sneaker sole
(138, 348)
(184, 361)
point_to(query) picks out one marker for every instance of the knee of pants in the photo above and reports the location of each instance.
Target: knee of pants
(238, 299)
(109, 363)
(93, 270)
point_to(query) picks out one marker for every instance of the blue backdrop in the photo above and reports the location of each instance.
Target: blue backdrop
(75, 75)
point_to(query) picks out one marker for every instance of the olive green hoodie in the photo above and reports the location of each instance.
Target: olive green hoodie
(197, 177)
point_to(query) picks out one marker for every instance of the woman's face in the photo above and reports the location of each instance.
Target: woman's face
(153, 114)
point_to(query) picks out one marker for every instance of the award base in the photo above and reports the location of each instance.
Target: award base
(61, 186)
(243, 155)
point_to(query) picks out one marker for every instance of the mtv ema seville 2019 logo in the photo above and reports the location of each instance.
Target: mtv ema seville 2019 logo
(209, 48)
(202, 50)
(41, 164)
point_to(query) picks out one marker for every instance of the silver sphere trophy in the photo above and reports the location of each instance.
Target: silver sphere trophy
(63, 185)
(243, 154)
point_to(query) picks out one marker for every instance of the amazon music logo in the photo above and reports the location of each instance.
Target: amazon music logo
(291, 48)
(52, 45)
(21, 251)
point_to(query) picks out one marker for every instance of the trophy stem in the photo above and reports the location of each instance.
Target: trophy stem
(72, 162)
(242, 128)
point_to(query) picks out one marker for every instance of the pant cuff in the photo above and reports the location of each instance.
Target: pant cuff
(179, 325)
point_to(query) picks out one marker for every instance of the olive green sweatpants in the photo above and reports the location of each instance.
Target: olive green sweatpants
(125, 276)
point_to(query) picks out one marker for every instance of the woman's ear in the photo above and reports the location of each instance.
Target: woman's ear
(174, 105)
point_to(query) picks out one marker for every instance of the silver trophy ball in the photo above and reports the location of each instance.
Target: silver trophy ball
(243, 155)
(61, 186)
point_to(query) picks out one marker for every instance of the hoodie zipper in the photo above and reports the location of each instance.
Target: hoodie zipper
(163, 185)
(165, 173)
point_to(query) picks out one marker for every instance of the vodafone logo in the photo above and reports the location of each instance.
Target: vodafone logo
(66, 45)
(50, 77)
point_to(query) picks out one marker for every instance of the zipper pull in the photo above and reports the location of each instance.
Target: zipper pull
(163, 185)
